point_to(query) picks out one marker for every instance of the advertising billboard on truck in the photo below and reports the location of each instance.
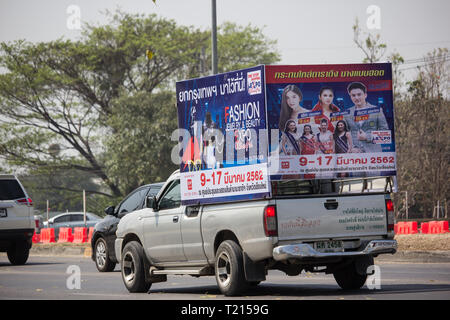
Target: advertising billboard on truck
(241, 129)
(224, 153)
(333, 121)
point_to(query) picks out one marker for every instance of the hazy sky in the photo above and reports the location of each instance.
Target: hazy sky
(307, 32)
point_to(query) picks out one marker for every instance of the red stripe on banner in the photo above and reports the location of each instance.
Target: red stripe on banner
(329, 73)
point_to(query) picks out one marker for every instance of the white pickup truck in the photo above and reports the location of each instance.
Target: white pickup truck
(336, 227)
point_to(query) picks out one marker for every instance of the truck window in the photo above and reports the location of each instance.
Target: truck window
(153, 191)
(304, 187)
(329, 186)
(172, 197)
(133, 201)
(65, 218)
(10, 190)
(292, 187)
(358, 185)
(77, 217)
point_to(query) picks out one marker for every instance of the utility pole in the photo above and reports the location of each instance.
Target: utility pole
(406, 204)
(214, 37)
(84, 208)
(446, 212)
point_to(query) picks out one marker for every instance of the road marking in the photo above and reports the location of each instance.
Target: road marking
(101, 294)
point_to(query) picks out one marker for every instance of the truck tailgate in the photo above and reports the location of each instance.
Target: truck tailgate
(331, 217)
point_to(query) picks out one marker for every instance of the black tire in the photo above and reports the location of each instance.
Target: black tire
(348, 277)
(132, 268)
(18, 253)
(229, 269)
(101, 256)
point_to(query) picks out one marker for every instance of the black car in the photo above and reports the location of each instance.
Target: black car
(104, 234)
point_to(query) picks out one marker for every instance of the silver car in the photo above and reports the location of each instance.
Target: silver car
(71, 220)
(39, 223)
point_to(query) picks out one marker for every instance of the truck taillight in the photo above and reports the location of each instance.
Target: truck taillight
(25, 201)
(270, 221)
(390, 215)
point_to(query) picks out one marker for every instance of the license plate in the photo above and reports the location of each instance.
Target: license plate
(3, 213)
(329, 246)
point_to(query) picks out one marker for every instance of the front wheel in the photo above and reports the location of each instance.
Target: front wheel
(132, 267)
(229, 269)
(102, 260)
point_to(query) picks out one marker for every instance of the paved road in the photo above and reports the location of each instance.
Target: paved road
(51, 277)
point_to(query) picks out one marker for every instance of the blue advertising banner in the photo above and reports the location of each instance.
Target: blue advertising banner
(224, 147)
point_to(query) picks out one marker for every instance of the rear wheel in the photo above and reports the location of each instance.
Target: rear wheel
(349, 277)
(132, 266)
(18, 253)
(229, 269)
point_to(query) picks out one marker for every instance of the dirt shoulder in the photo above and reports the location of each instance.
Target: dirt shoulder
(419, 248)
(423, 242)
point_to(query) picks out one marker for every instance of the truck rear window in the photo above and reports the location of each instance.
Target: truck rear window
(292, 187)
(328, 186)
(10, 190)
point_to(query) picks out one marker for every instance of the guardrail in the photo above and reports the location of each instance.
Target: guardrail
(83, 235)
(431, 227)
(79, 235)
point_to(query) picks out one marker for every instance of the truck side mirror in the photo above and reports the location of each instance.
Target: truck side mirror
(152, 203)
(110, 210)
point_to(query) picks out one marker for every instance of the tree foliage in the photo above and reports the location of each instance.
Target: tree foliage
(138, 151)
(422, 123)
(371, 46)
(422, 128)
(62, 189)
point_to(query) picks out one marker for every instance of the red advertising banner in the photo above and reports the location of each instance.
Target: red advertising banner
(330, 121)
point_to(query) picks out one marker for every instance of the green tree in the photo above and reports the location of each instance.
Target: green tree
(242, 47)
(138, 151)
(370, 44)
(374, 50)
(423, 121)
(421, 127)
(62, 189)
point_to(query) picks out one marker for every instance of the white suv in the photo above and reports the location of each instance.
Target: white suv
(16, 220)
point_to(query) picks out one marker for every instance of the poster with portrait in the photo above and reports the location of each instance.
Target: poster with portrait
(330, 121)
(223, 137)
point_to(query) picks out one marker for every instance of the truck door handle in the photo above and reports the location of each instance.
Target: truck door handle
(175, 219)
(331, 205)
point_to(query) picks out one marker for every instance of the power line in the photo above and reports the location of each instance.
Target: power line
(424, 59)
(354, 47)
(423, 64)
